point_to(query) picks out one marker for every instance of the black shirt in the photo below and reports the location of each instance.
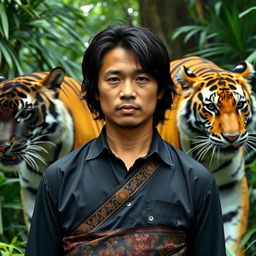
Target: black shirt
(182, 194)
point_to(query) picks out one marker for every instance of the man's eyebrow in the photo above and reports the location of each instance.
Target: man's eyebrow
(140, 71)
(116, 71)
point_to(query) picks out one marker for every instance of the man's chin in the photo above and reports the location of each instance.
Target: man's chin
(128, 125)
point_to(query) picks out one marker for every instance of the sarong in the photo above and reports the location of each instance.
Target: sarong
(144, 241)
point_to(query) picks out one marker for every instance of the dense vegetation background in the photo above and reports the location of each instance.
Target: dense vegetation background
(39, 35)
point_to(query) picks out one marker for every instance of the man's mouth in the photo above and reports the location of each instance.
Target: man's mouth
(127, 108)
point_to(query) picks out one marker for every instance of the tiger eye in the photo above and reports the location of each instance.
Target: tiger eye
(211, 106)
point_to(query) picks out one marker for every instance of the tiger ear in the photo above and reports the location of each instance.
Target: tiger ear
(245, 69)
(54, 80)
(186, 78)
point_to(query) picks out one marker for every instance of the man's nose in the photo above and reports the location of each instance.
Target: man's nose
(128, 90)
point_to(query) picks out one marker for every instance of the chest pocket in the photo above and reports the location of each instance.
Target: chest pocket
(165, 213)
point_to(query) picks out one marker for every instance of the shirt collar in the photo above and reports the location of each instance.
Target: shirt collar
(158, 147)
(98, 145)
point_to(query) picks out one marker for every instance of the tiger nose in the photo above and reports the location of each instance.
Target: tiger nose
(231, 137)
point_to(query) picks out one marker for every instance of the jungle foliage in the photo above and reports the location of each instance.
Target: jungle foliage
(39, 35)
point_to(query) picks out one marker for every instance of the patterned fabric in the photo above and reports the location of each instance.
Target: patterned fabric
(137, 241)
(116, 200)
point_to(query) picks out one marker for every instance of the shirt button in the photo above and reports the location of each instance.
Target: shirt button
(129, 204)
(150, 218)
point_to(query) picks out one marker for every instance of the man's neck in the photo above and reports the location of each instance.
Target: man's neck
(129, 144)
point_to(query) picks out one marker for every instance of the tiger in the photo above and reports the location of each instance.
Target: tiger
(41, 119)
(214, 116)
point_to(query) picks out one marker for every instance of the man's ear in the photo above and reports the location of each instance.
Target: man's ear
(96, 95)
(160, 94)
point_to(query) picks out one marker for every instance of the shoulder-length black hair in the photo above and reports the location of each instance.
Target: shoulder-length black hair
(152, 56)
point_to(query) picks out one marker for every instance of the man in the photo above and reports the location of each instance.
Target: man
(127, 192)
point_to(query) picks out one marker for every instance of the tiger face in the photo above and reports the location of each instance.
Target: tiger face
(31, 119)
(216, 111)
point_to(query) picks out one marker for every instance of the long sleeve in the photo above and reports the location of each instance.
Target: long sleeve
(207, 234)
(44, 236)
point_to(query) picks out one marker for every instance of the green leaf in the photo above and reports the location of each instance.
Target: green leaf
(246, 238)
(242, 14)
(9, 181)
(6, 54)
(229, 252)
(10, 247)
(4, 21)
(1, 219)
(17, 63)
(185, 29)
(252, 57)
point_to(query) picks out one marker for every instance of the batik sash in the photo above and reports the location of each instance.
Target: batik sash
(117, 199)
(140, 241)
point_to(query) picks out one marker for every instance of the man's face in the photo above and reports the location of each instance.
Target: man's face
(127, 95)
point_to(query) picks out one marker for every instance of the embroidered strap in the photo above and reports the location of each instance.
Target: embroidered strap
(117, 199)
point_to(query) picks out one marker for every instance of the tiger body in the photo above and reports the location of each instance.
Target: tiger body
(41, 119)
(45, 119)
(214, 113)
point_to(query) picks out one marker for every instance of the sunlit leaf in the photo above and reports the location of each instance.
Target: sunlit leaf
(252, 57)
(4, 21)
(247, 11)
(6, 54)
(229, 252)
(247, 237)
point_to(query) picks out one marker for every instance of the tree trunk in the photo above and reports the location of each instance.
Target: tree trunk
(163, 17)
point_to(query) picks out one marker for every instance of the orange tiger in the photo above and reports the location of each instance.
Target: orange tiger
(42, 118)
(212, 121)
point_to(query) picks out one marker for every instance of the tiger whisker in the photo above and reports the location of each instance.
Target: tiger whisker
(252, 139)
(202, 137)
(30, 161)
(246, 149)
(198, 139)
(37, 140)
(43, 142)
(38, 137)
(35, 155)
(206, 150)
(218, 155)
(38, 148)
(196, 147)
(201, 151)
(212, 155)
(252, 132)
(251, 146)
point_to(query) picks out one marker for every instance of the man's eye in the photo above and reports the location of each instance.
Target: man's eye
(142, 79)
(113, 79)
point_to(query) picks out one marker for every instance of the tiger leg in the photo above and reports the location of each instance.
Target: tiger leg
(235, 207)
